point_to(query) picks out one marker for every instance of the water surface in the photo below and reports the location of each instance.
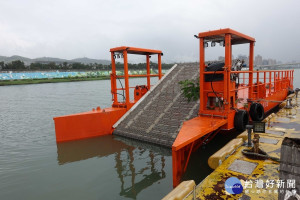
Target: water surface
(33, 166)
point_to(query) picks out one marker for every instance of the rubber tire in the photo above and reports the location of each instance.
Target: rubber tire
(290, 91)
(241, 119)
(256, 112)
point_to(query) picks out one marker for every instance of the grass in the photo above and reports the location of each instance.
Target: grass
(52, 80)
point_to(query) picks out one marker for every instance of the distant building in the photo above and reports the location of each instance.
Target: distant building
(258, 60)
(271, 62)
(265, 62)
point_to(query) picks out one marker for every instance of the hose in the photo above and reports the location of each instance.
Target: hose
(123, 95)
(211, 84)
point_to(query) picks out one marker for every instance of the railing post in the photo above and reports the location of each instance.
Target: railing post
(274, 81)
(281, 80)
(257, 85)
(265, 81)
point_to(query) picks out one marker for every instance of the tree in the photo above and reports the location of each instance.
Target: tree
(18, 65)
(1, 65)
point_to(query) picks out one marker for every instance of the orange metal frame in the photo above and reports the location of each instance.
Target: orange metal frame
(125, 51)
(100, 121)
(266, 87)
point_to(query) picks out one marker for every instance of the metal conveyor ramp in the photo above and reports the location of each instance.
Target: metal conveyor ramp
(158, 116)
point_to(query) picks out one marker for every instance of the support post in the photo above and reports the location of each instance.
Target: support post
(126, 79)
(159, 67)
(202, 66)
(148, 71)
(113, 79)
(227, 72)
(251, 54)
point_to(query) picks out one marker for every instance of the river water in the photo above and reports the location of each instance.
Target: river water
(33, 166)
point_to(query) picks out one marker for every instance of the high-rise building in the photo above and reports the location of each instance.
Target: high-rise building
(271, 62)
(265, 62)
(258, 60)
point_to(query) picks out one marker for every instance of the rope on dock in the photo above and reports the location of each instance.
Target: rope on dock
(262, 155)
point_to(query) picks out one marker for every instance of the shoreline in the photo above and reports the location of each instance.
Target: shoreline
(50, 80)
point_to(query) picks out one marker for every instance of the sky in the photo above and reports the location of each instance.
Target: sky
(89, 28)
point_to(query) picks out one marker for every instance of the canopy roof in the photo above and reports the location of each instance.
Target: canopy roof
(219, 35)
(135, 50)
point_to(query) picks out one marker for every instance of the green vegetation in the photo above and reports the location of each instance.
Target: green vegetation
(67, 66)
(53, 80)
(190, 89)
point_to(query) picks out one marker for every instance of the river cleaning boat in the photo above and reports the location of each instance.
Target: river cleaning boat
(229, 98)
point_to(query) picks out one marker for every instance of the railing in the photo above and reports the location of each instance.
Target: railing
(264, 83)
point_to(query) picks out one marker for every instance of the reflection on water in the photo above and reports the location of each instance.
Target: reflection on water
(84, 149)
(137, 167)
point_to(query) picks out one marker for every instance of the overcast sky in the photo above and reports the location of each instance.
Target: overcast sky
(89, 28)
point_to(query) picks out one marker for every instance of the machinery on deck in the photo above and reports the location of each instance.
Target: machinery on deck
(228, 95)
(100, 121)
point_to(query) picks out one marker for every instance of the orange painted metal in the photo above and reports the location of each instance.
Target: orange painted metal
(196, 128)
(125, 50)
(135, 50)
(191, 132)
(139, 91)
(100, 121)
(87, 124)
(202, 67)
(148, 71)
(252, 87)
(113, 79)
(159, 66)
(238, 37)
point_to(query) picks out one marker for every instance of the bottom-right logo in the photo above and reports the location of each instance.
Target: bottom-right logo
(233, 186)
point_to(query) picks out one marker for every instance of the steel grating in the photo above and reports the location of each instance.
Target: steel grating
(159, 117)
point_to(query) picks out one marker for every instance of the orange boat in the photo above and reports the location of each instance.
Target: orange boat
(100, 121)
(228, 95)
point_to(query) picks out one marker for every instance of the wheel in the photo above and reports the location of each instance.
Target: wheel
(241, 119)
(290, 91)
(257, 112)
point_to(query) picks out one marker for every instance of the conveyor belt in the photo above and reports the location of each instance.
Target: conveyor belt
(159, 116)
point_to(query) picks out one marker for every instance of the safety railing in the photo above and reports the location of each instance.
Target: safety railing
(263, 84)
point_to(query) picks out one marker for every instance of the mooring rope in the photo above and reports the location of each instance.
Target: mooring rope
(262, 155)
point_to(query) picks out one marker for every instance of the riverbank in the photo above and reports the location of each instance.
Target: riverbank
(50, 80)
